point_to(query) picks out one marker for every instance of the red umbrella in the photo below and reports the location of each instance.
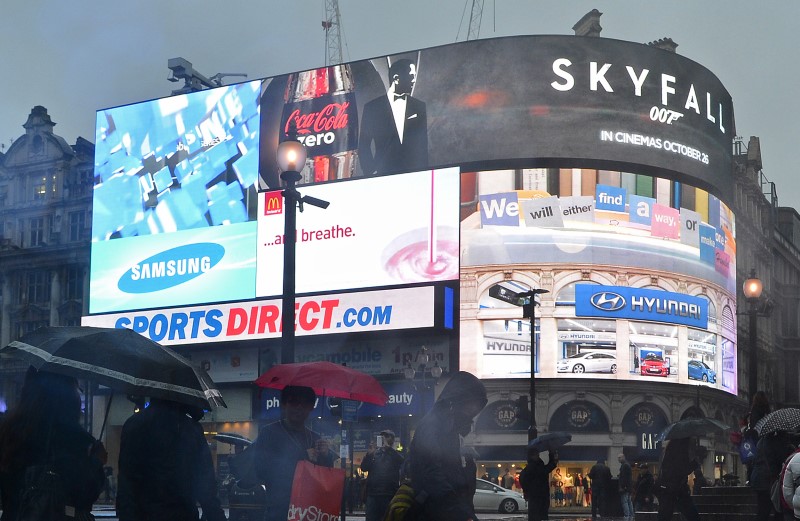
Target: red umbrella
(327, 379)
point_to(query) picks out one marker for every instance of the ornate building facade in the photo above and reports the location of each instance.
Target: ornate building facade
(45, 224)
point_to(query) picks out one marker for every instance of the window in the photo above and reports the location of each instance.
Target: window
(37, 231)
(77, 222)
(74, 283)
(39, 188)
(38, 287)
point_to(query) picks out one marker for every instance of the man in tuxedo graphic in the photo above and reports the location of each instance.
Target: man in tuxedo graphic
(394, 128)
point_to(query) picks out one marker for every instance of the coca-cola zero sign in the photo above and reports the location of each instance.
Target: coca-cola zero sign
(325, 125)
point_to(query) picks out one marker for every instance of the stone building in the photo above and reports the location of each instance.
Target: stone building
(45, 224)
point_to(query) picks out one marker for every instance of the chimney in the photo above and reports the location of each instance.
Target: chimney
(589, 25)
(664, 43)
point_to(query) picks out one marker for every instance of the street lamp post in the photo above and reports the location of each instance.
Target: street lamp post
(752, 291)
(527, 300)
(529, 310)
(291, 160)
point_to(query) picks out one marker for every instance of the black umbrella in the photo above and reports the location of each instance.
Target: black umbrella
(787, 419)
(691, 427)
(549, 441)
(120, 359)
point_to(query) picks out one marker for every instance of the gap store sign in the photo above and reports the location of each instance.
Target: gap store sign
(612, 302)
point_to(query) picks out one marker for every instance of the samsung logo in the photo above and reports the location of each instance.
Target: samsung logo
(607, 301)
(171, 267)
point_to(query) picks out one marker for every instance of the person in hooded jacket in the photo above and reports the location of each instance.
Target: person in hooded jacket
(436, 466)
(44, 428)
(165, 466)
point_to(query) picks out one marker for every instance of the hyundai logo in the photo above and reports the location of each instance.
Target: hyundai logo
(607, 301)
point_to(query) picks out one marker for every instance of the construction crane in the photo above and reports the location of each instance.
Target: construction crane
(332, 25)
(475, 16)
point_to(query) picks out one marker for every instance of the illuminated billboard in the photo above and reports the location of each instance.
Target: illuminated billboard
(640, 274)
(558, 162)
(400, 229)
(396, 230)
(380, 310)
(534, 101)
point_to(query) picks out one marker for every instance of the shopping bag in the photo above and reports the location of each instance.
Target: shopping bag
(316, 492)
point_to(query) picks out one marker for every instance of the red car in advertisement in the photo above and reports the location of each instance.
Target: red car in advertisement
(654, 365)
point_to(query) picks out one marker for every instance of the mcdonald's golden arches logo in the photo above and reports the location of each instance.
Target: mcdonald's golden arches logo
(273, 202)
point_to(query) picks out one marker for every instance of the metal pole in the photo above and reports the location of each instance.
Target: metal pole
(532, 432)
(289, 246)
(753, 333)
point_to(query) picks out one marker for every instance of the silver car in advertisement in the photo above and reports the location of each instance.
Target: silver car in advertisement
(588, 362)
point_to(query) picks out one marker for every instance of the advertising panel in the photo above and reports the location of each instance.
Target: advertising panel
(483, 103)
(326, 314)
(578, 222)
(394, 229)
(623, 158)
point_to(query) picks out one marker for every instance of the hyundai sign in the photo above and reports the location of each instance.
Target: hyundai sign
(592, 300)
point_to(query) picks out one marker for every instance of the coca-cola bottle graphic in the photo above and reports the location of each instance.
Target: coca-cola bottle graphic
(321, 105)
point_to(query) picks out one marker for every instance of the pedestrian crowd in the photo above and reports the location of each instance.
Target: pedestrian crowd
(165, 469)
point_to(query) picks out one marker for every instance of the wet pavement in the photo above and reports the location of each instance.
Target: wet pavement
(107, 513)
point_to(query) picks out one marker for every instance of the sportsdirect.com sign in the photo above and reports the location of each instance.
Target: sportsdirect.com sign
(593, 300)
(344, 313)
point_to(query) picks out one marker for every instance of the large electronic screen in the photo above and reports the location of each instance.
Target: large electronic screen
(379, 231)
(541, 100)
(674, 245)
(187, 210)
(172, 245)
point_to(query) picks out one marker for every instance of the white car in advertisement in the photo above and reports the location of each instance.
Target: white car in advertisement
(493, 498)
(588, 362)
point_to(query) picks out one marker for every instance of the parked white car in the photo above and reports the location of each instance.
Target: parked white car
(588, 362)
(494, 498)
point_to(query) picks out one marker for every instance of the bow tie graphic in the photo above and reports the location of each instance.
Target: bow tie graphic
(401, 96)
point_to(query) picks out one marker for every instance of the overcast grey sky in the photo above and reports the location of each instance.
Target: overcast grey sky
(78, 56)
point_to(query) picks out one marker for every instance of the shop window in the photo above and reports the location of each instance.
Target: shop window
(654, 348)
(581, 335)
(729, 370)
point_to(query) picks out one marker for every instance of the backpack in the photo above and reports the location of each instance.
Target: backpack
(747, 449)
(776, 491)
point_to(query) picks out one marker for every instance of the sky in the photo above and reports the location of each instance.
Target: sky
(80, 56)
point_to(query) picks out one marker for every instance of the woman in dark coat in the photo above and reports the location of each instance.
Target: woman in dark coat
(672, 486)
(771, 451)
(165, 466)
(435, 461)
(44, 428)
(535, 482)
